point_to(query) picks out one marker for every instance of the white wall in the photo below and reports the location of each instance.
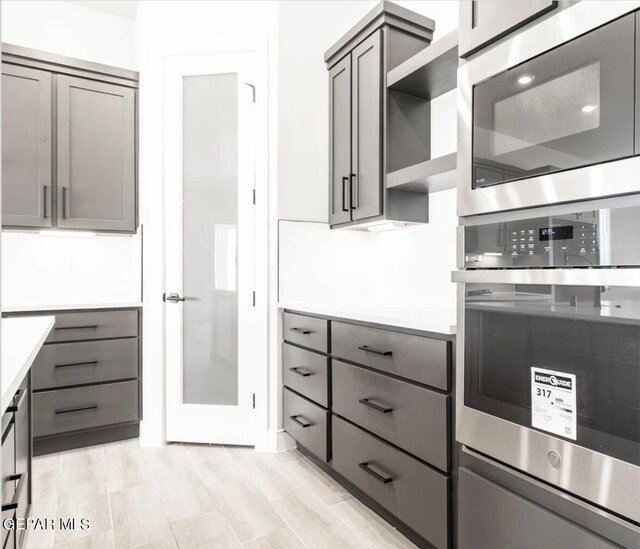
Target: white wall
(59, 270)
(70, 29)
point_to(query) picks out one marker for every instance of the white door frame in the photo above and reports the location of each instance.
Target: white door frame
(153, 427)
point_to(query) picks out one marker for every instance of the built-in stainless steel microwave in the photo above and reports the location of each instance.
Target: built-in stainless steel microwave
(553, 115)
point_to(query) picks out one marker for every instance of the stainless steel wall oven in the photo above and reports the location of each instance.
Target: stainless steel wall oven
(548, 116)
(549, 346)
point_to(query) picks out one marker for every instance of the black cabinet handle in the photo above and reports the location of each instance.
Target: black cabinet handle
(384, 478)
(303, 331)
(88, 363)
(16, 496)
(64, 202)
(375, 351)
(80, 409)
(344, 190)
(92, 327)
(15, 407)
(7, 431)
(304, 424)
(301, 371)
(44, 201)
(353, 190)
(377, 407)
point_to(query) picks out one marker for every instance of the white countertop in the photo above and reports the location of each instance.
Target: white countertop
(68, 307)
(22, 339)
(437, 316)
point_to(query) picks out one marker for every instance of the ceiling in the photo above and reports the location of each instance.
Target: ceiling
(123, 8)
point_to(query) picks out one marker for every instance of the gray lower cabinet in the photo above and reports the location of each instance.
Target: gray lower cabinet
(87, 379)
(375, 411)
(416, 494)
(85, 115)
(26, 147)
(96, 180)
(492, 517)
(17, 464)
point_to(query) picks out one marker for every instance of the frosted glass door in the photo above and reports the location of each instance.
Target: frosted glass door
(210, 242)
(209, 235)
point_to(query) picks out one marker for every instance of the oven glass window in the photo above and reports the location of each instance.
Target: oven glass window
(564, 109)
(562, 360)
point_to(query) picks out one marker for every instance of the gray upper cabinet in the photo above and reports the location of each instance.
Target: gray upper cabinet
(340, 142)
(358, 114)
(69, 147)
(482, 22)
(96, 155)
(367, 80)
(26, 147)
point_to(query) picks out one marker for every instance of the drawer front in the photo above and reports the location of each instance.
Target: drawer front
(68, 410)
(306, 372)
(522, 523)
(420, 359)
(65, 364)
(413, 492)
(307, 423)
(8, 460)
(306, 330)
(414, 418)
(94, 325)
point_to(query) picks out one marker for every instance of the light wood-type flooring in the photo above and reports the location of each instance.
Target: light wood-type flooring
(198, 496)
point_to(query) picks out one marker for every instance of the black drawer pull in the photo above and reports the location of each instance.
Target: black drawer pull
(88, 363)
(375, 351)
(304, 423)
(378, 407)
(303, 331)
(384, 478)
(16, 495)
(7, 431)
(15, 407)
(80, 409)
(301, 371)
(93, 327)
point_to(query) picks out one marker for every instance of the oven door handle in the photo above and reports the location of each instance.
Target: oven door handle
(550, 277)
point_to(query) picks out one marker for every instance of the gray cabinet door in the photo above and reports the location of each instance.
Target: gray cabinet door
(340, 142)
(96, 155)
(366, 157)
(26, 147)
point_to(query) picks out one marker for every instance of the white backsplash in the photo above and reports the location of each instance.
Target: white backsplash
(43, 270)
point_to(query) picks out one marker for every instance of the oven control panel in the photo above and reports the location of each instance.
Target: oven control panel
(582, 239)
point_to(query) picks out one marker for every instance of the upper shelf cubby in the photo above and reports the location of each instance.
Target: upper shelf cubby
(430, 72)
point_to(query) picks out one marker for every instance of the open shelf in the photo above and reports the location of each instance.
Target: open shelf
(430, 72)
(437, 174)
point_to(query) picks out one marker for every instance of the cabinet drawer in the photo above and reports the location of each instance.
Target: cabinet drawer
(414, 493)
(522, 522)
(67, 410)
(306, 372)
(306, 330)
(418, 358)
(65, 364)
(414, 418)
(94, 325)
(306, 422)
(8, 458)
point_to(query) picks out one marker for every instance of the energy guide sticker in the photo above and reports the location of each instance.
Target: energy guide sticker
(553, 402)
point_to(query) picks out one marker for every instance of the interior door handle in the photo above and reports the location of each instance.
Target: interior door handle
(172, 297)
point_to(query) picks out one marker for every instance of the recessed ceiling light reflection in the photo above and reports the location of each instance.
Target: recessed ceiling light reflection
(589, 108)
(526, 79)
